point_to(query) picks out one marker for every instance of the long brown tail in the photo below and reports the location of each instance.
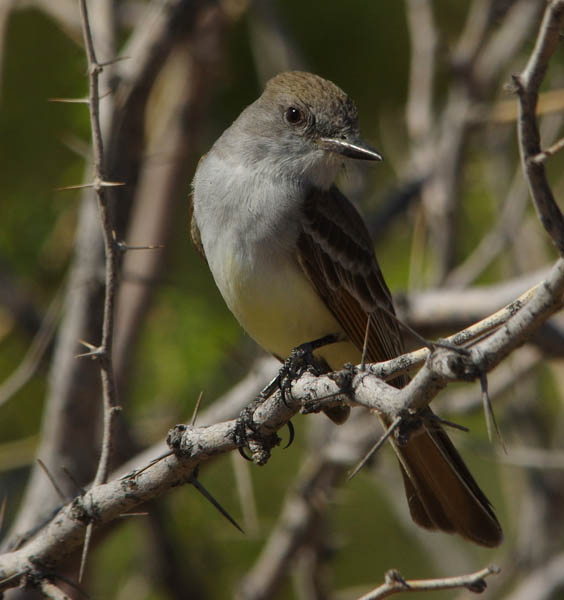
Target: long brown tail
(441, 492)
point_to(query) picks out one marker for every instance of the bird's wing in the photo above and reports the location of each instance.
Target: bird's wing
(335, 251)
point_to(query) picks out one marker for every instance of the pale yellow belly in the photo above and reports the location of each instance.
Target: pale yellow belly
(280, 309)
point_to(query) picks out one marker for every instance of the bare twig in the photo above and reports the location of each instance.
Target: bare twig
(395, 583)
(550, 151)
(389, 369)
(528, 84)
(104, 351)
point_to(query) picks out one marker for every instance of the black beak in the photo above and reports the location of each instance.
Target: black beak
(351, 148)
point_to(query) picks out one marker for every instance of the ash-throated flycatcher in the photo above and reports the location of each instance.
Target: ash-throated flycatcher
(294, 262)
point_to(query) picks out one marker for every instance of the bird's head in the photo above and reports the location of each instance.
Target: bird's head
(303, 126)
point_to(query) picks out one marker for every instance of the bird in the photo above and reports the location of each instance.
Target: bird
(294, 262)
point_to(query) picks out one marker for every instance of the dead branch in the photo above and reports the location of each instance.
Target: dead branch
(103, 352)
(395, 584)
(528, 84)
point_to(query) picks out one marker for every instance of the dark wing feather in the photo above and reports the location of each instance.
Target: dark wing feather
(335, 251)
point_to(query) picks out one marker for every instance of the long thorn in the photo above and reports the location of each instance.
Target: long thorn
(489, 412)
(85, 549)
(51, 479)
(196, 409)
(365, 344)
(214, 502)
(395, 424)
(148, 466)
(427, 343)
(436, 419)
(71, 478)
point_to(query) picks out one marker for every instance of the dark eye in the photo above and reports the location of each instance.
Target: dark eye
(294, 116)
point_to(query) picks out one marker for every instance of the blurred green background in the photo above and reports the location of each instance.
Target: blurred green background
(189, 341)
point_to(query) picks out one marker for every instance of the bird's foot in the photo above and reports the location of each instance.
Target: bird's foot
(247, 434)
(301, 359)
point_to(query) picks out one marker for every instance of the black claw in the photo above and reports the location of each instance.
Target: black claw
(283, 394)
(243, 454)
(292, 432)
(300, 360)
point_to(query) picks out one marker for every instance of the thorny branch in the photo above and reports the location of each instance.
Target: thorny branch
(194, 445)
(102, 353)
